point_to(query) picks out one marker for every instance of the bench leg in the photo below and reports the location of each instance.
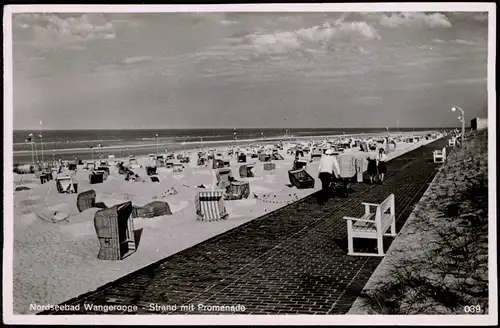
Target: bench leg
(380, 245)
(350, 243)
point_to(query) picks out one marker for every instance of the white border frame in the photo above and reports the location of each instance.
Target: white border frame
(10, 318)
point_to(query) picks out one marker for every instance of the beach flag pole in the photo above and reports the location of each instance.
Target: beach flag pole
(157, 151)
(30, 139)
(41, 138)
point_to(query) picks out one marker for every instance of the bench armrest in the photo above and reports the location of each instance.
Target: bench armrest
(372, 204)
(357, 219)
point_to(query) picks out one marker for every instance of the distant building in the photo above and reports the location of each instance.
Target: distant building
(479, 123)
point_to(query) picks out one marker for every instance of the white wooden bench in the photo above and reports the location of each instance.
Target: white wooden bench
(373, 225)
(440, 155)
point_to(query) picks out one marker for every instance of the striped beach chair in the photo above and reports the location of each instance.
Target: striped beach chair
(269, 166)
(210, 206)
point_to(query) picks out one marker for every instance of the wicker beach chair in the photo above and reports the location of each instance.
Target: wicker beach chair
(155, 179)
(347, 166)
(151, 210)
(264, 157)
(150, 170)
(96, 177)
(242, 158)
(217, 163)
(104, 169)
(239, 190)
(246, 171)
(88, 165)
(299, 164)
(115, 232)
(85, 200)
(210, 206)
(300, 179)
(224, 177)
(65, 185)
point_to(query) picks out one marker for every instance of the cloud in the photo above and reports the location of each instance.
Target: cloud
(133, 60)
(324, 36)
(464, 42)
(50, 29)
(415, 19)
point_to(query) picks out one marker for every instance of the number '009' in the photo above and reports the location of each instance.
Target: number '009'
(472, 309)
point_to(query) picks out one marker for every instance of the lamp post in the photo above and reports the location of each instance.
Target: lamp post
(157, 152)
(453, 109)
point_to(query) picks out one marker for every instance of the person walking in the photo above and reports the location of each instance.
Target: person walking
(328, 165)
(371, 170)
(382, 168)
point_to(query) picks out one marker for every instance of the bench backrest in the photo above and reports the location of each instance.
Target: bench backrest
(385, 212)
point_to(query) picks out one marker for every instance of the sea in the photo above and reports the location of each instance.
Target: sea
(66, 144)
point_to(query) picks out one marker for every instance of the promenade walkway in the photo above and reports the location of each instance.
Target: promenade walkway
(292, 260)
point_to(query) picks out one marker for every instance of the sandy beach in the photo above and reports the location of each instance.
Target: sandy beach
(54, 262)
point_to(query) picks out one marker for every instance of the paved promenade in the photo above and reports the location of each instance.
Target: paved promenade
(289, 261)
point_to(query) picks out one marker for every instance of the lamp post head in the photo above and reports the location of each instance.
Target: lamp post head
(453, 108)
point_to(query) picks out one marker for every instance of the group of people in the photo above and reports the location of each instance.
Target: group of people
(329, 168)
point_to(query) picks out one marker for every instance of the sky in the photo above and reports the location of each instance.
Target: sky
(237, 70)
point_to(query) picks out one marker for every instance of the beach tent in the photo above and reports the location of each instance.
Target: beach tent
(115, 232)
(269, 166)
(85, 200)
(239, 190)
(224, 177)
(170, 156)
(185, 159)
(301, 179)
(65, 185)
(178, 167)
(201, 161)
(169, 164)
(210, 205)
(364, 146)
(152, 157)
(246, 171)
(151, 210)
